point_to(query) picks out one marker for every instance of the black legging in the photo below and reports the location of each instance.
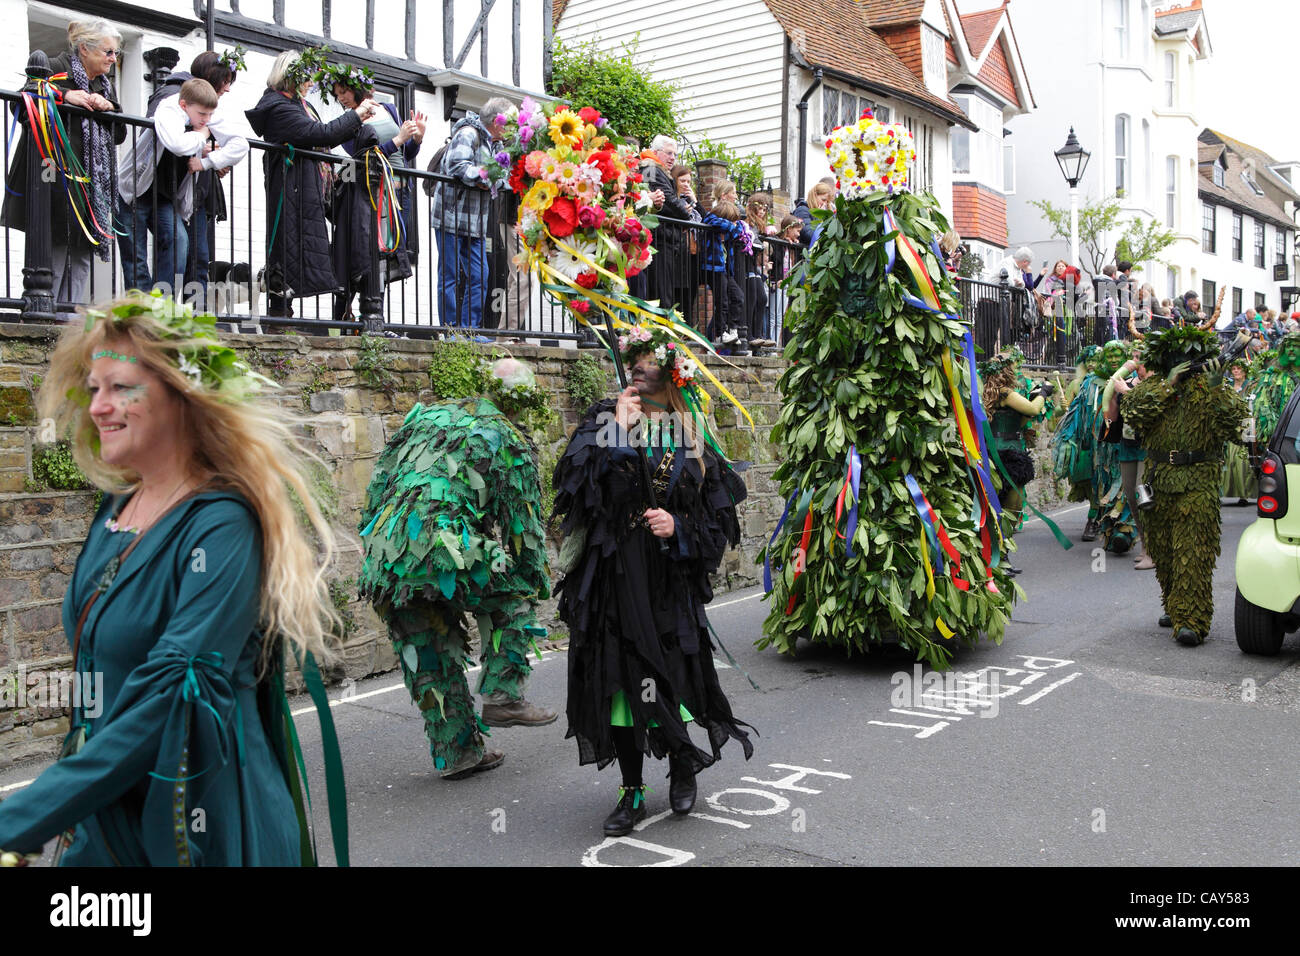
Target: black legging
(630, 757)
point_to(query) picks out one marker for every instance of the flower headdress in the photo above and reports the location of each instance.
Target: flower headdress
(353, 77)
(234, 59)
(1008, 358)
(870, 157)
(639, 340)
(1087, 356)
(309, 66)
(199, 353)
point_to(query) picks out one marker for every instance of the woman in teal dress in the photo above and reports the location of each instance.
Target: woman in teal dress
(194, 554)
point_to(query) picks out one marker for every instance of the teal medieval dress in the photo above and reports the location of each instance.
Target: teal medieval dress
(179, 763)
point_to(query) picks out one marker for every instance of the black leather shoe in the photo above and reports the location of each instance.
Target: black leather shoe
(681, 791)
(1011, 569)
(1165, 621)
(629, 812)
(1090, 530)
(1189, 638)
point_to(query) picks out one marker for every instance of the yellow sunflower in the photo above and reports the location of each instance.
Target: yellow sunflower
(566, 129)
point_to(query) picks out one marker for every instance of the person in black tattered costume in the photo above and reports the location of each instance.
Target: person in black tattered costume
(640, 659)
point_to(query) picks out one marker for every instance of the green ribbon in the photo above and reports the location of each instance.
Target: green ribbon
(335, 789)
(1061, 539)
(279, 206)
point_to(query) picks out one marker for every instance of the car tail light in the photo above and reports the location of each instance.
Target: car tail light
(1272, 487)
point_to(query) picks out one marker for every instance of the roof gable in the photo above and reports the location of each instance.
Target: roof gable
(1235, 191)
(979, 28)
(996, 72)
(834, 35)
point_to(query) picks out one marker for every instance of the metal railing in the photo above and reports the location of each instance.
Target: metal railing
(718, 285)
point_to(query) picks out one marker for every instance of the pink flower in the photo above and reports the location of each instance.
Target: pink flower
(591, 217)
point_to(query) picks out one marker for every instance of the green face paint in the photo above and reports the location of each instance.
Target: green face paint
(134, 393)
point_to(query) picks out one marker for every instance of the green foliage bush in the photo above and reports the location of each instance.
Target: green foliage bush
(53, 468)
(456, 370)
(613, 83)
(374, 365)
(586, 381)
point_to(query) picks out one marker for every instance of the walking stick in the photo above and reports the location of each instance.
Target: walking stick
(647, 482)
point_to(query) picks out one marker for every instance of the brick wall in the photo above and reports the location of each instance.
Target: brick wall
(347, 424)
(979, 213)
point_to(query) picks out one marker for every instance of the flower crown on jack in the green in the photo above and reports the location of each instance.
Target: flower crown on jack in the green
(205, 361)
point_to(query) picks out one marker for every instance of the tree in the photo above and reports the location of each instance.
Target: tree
(1141, 241)
(611, 82)
(745, 171)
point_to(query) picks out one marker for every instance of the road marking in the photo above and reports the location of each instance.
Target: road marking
(1050, 687)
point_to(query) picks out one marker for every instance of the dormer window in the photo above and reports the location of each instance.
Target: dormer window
(1254, 186)
(1216, 173)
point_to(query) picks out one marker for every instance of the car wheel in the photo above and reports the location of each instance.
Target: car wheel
(1259, 631)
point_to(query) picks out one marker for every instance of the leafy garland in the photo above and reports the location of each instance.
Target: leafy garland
(234, 59)
(1166, 348)
(345, 74)
(309, 66)
(199, 354)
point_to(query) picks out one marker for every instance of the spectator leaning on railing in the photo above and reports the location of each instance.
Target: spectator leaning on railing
(459, 217)
(662, 275)
(821, 196)
(298, 260)
(228, 150)
(84, 71)
(156, 189)
(686, 282)
(356, 196)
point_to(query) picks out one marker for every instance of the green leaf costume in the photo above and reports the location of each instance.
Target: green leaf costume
(867, 379)
(452, 523)
(1198, 415)
(1274, 385)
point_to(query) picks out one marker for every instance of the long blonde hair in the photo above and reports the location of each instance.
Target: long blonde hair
(692, 435)
(247, 446)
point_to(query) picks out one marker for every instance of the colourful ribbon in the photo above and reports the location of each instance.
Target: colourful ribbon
(852, 480)
(928, 534)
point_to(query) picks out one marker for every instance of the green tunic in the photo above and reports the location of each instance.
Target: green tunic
(175, 639)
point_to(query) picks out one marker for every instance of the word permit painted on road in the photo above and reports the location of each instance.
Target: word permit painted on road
(943, 701)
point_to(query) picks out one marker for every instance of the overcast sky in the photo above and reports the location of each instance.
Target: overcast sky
(1248, 87)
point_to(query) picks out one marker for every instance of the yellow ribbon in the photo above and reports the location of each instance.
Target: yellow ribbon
(929, 586)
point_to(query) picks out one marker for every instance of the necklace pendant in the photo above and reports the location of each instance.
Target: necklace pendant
(110, 572)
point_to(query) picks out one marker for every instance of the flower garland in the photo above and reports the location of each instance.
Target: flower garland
(200, 356)
(870, 157)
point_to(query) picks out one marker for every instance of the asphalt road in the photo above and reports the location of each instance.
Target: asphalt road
(1107, 744)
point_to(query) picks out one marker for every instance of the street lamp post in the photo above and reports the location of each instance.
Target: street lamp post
(1073, 160)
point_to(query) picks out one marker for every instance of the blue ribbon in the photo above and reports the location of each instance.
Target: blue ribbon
(854, 465)
(918, 501)
(767, 555)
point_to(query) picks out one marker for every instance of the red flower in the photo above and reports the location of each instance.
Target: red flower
(588, 280)
(885, 178)
(603, 160)
(632, 271)
(562, 217)
(828, 144)
(634, 177)
(582, 306)
(517, 177)
(588, 115)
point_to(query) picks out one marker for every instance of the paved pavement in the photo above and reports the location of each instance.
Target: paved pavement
(1107, 743)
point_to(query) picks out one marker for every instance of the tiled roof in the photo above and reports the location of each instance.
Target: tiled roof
(879, 13)
(833, 34)
(1262, 160)
(1177, 22)
(557, 11)
(1234, 191)
(978, 27)
(996, 72)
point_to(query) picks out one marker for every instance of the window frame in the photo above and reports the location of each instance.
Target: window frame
(1209, 235)
(1123, 153)
(1261, 245)
(1120, 27)
(1171, 80)
(1238, 236)
(1171, 192)
(1279, 247)
(1236, 302)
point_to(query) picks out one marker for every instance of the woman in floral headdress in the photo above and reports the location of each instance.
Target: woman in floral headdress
(195, 576)
(636, 579)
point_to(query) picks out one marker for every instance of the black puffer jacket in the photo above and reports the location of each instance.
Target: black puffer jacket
(354, 219)
(298, 241)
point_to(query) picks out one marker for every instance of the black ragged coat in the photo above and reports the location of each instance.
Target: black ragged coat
(298, 250)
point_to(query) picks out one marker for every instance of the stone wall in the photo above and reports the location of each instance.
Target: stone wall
(347, 422)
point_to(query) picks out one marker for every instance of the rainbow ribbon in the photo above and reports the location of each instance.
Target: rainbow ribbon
(852, 480)
(387, 207)
(928, 539)
(902, 248)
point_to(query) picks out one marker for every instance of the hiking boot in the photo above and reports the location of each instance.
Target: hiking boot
(517, 713)
(1090, 530)
(490, 761)
(1189, 638)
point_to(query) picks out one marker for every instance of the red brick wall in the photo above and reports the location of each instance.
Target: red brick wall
(979, 213)
(997, 74)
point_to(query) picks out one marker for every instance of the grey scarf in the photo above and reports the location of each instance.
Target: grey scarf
(100, 159)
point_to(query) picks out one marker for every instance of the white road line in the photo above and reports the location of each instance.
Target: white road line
(1049, 688)
(714, 607)
(16, 786)
(1056, 514)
